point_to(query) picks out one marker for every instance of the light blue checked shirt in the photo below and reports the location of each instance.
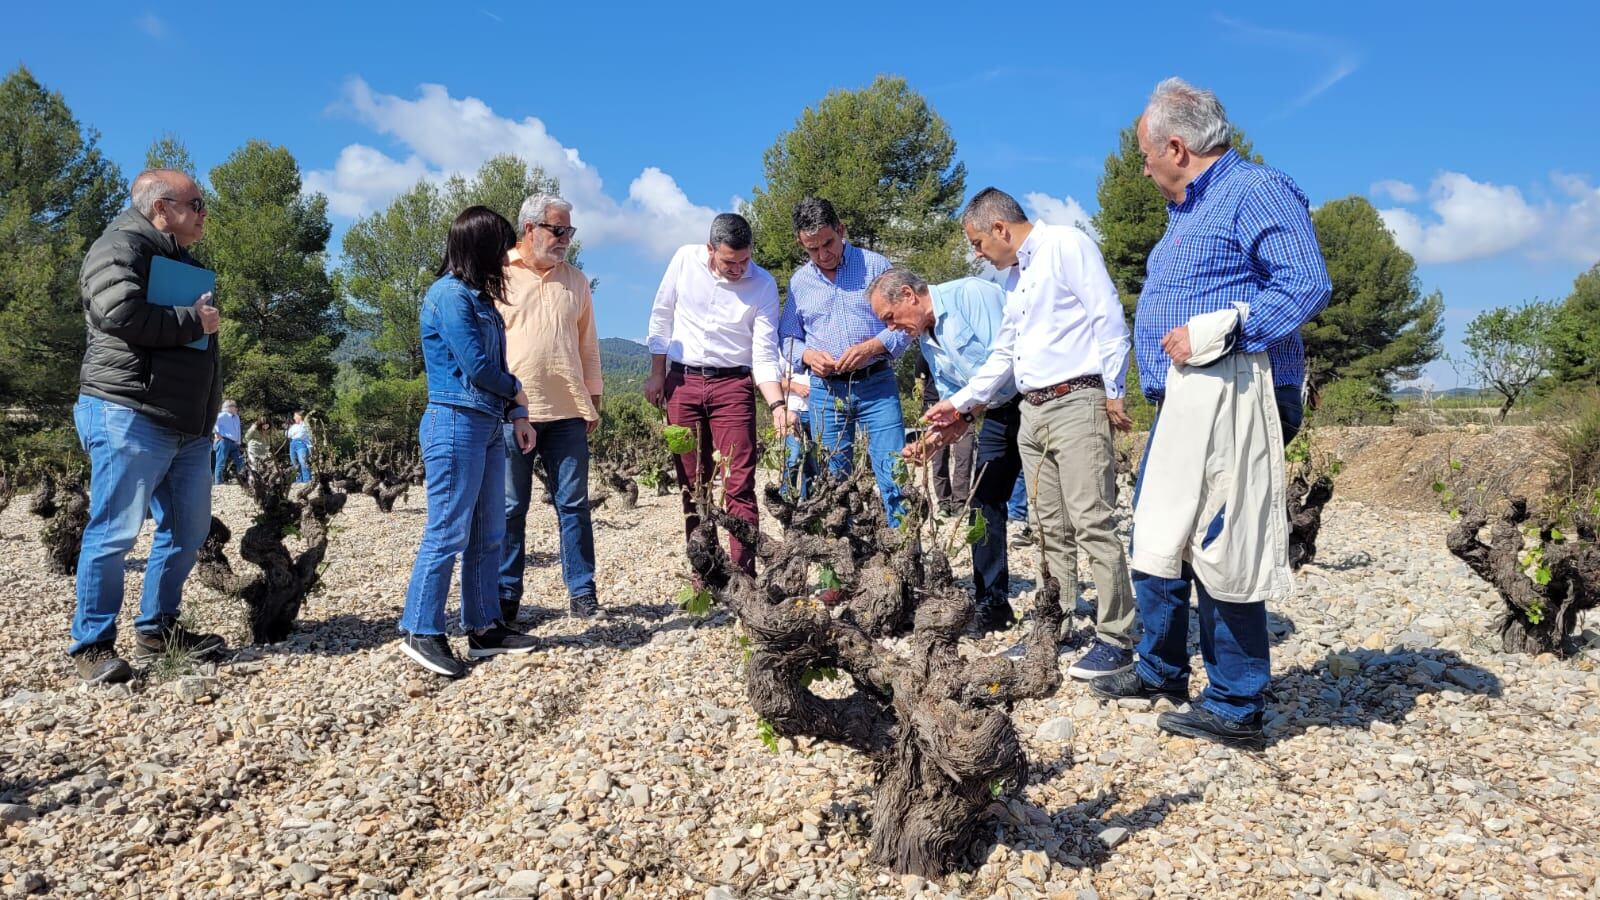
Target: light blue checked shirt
(834, 316)
(1242, 234)
(967, 315)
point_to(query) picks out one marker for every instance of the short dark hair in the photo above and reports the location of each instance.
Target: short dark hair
(992, 205)
(475, 251)
(813, 214)
(731, 230)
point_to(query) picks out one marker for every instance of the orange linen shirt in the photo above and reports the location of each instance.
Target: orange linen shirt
(550, 339)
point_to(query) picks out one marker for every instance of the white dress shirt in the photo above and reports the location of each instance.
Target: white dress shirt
(702, 319)
(1063, 320)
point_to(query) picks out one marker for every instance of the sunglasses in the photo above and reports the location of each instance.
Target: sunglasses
(198, 204)
(560, 231)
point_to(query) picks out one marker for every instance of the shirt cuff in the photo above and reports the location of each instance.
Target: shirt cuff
(963, 400)
(517, 412)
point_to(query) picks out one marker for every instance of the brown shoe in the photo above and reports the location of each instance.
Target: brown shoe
(100, 664)
(196, 644)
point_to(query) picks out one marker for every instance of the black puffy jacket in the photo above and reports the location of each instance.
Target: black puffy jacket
(137, 355)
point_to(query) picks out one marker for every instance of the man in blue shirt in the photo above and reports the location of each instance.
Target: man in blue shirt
(1236, 232)
(955, 324)
(829, 332)
(225, 441)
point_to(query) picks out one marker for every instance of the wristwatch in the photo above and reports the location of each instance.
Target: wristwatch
(968, 417)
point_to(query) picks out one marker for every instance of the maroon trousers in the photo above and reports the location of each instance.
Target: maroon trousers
(721, 414)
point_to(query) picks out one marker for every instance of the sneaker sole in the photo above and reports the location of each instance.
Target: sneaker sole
(1258, 742)
(486, 652)
(428, 664)
(1092, 674)
(115, 676)
(1174, 699)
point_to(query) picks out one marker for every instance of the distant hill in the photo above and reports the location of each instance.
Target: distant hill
(625, 365)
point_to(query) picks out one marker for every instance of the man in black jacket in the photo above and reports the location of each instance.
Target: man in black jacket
(145, 408)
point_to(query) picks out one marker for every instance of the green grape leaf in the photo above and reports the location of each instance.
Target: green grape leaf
(767, 734)
(679, 439)
(978, 530)
(829, 579)
(695, 602)
(1541, 576)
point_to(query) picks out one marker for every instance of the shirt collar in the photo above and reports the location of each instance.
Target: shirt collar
(1030, 246)
(1197, 187)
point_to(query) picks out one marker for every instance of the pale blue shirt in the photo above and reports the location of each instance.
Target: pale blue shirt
(967, 314)
(227, 426)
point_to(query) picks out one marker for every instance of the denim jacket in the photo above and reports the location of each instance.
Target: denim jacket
(464, 349)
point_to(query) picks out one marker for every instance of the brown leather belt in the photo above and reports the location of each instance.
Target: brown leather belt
(1054, 391)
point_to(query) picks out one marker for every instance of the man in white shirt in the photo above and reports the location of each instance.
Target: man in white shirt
(1065, 343)
(226, 437)
(714, 325)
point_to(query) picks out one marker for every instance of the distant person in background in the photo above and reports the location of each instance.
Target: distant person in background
(1238, 234)
(470, 394)
(552, 348)
(713, 326)
(146, 401)
(800, 451)
(828, 331)
(950, 465)
(226, 439)
(300, 445)
(259, 445)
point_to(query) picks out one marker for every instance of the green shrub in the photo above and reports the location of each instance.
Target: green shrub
(1576, 469)
(1354, 401)
(29, 447)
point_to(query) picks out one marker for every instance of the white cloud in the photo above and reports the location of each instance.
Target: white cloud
(1398, 191)
(1474, 220)
(1059, 211)
(445, 135)
(151, 24)
(1342, 61)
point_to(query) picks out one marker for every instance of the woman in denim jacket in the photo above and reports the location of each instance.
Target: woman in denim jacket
(470, 394)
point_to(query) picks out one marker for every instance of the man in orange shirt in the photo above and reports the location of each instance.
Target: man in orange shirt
(552, 347)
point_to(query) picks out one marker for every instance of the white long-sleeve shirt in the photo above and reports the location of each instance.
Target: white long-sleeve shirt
(702, 319)
(1062, 321)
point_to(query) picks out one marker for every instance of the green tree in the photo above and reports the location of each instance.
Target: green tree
(1510, 349)
(169, 152)
(1575, 336)
(266, 241)
(1133, 214)
(1378, 326)
(57, 193)
(886, 161)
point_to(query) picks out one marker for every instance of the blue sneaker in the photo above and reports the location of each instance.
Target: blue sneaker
(1102, 659)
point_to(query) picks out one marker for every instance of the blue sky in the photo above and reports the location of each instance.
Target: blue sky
(1473, 126)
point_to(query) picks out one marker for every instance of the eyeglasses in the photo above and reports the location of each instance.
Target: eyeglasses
(198, 204)
(560, 231)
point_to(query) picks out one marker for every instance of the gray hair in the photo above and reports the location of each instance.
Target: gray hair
(536, 207)
(891, 284)
(152, 185)
(992, 205)
(1179, 109)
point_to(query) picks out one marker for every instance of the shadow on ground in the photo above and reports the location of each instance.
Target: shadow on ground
(1358, 687)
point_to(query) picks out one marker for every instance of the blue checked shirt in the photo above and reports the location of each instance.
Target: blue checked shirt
(1242, 234)
(967, 315)
(834, 316)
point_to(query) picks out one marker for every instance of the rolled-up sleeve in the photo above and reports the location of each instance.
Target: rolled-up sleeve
(1275, 229)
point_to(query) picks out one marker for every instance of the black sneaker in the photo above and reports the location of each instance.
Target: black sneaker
(197, 644)
(996, 616)
(1128, 685)
(1024, 538)
(432, 652)
(584, 607)
(499, 639)
(1198, 722)
(100, 664)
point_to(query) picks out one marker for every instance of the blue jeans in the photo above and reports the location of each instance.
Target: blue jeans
(841, 405)
(462, 458)
(995, 470)
(224, 452)
(563, 449)
(137, 466)
(799, 466)
(1233, 636)
(1017, 506)
(300, 455)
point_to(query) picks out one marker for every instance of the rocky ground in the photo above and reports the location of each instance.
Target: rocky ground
(1407, 756)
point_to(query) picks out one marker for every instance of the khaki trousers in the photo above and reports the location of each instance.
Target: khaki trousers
(1069, 466)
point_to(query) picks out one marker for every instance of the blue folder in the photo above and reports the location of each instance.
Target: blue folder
(174, 283)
